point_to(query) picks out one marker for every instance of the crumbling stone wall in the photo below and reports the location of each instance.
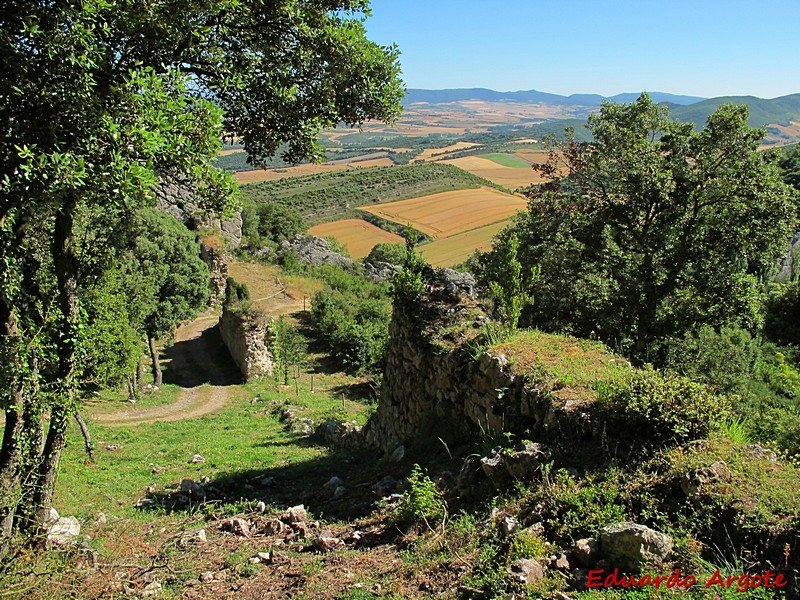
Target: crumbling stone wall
(433, 380)
(214, 257)
(248, 337)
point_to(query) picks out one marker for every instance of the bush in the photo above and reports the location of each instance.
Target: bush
(664, 407)
(388, 253)
(422, 502)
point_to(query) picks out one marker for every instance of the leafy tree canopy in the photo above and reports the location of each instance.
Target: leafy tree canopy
(101, 99)
(652, 228)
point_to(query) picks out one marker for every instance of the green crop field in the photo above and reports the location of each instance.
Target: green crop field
(506, 160)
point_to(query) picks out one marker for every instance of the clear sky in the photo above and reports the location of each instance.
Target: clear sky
(698, 47)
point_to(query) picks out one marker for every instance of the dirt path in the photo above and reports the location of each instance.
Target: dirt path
(200, 364)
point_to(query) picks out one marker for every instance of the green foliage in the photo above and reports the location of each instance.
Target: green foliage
(581, 508)
(782, 318)
(352, 315)
(422, 502)
(166, 255)
(110, 346)
(789, 163)
(664, 408)
(723, 360)
(235, 292)
(652, 229)
(277, 222)
(408, 284)
(507, 287)
(386, 252)
(288, 346)
(525, 544)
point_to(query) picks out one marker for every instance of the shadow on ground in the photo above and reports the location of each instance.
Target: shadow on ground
(200, 360)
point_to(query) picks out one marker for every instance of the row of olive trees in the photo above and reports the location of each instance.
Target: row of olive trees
(98, 99)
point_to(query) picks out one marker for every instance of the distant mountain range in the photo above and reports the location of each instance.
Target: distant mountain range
(535, 97)
(694, 109)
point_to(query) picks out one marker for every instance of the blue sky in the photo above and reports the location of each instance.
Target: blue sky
(699, 47)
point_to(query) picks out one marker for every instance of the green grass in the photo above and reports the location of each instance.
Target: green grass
(570, 366)
(506, 160)
(244, 437)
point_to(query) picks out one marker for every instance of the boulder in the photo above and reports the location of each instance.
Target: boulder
(629, 546)
(314, 251)
(526, 570)
(695, 483)
(526, 460)
(296, 514)
(585, 552)
(64, 531)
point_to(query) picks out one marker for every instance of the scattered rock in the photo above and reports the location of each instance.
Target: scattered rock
(143, 502)
(191, 487)
(296, 514)
(192, 536)
(387, 485)
(526, 570)
(274, 527)
(454, 283)
(151, 590)
(761, 452)
(526, 460)
(112, 447)
(314, 251)
(509, 525)
(236, 526)
(158, 470)
(398, 454)
(333, 483)
(261, 507)
(64, 531)
(197, 458)
(206, 577)
(101, 519)
(52, 517)
(561, 563)
(585, 552)
(629, 545)
(695, 483)
(339, 492)
(326, 544)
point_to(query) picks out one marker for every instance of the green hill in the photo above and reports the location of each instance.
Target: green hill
(762, 112)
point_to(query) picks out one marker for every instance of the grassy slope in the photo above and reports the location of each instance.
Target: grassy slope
(334, 196)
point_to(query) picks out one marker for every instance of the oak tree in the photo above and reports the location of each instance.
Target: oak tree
(98, 100)
(652, 228)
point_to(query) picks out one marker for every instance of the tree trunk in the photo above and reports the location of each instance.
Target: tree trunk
(87, 437)
(151, 342)
(66, 278)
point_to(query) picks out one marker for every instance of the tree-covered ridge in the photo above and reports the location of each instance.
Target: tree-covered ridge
(335, 195)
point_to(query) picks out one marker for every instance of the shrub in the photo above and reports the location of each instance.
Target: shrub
(422, 502)
(388, 253)
(664, 407)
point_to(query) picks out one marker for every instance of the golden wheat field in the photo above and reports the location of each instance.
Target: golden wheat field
(509, 177)
(447, 213)
(358, 236)
(243, 177)
(438, 153)
(455, 249)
